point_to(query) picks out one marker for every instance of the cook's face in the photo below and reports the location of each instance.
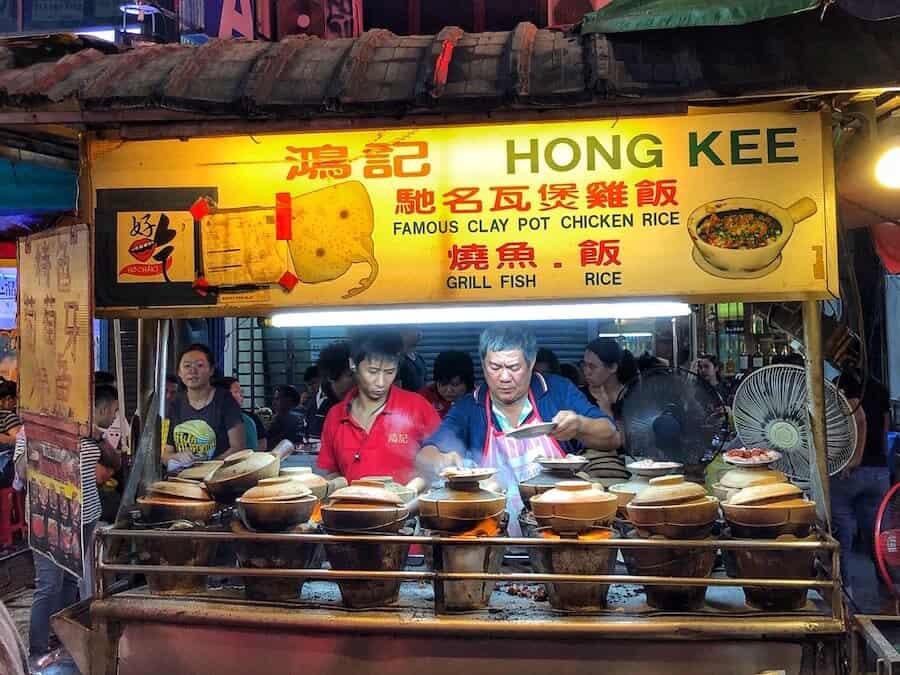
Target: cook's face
(596, 373)
(236, 393)
(195, 370)
(453, 390)
(508, 375)
(375, 377)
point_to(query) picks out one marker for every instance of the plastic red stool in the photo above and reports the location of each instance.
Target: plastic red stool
(12, 516)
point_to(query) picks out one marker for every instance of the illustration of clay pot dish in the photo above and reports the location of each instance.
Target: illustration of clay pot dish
(740, 237)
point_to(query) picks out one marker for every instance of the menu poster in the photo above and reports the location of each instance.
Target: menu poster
(55, 327)
(54, 496)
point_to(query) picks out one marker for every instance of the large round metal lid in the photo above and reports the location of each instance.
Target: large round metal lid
(668, 490)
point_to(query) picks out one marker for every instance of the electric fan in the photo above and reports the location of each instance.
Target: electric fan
(672, 414)
(769, 411)
(887, 539)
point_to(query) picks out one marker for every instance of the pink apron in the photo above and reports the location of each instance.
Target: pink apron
(514, 459)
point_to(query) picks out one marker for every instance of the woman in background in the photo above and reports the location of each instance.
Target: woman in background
(607, 370)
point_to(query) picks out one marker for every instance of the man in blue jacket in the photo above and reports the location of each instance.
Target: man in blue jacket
(474, 431)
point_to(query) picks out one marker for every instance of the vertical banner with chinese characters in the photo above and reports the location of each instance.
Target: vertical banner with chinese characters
(55, 371)
(692, 207)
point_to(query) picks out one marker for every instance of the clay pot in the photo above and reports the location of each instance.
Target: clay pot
(280, 488)
(317, 485)
(669, 490)
(766, 495)
(670, 562)
(737, 479)
(240, 472)
(575, 559)
(691, 520)
(553, 472)
(776, 565)
(461, 503)
(275, 555)
(276, 516)
(166, 509)
(363, 517)
(574, 506)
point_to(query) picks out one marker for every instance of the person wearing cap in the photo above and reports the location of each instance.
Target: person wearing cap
(474, 431)
(378, 428)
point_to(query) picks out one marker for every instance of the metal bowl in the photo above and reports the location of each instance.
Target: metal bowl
(268, 516)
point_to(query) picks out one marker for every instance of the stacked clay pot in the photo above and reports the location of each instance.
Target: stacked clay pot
(554, 470)
(575, 510)
(772, 511)
(317, 485)
(275, 505)
(671, 508)
(171, 500)
(366, 509)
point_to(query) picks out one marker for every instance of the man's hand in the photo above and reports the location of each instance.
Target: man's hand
(568, 425)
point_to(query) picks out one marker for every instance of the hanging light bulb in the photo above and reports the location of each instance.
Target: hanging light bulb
(887, 168)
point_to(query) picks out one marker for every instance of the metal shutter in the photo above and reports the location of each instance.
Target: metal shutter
(566, 338)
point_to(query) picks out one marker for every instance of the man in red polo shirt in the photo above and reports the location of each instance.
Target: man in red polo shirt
(378, 428)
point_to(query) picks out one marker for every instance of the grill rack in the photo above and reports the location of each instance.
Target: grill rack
(827, 583)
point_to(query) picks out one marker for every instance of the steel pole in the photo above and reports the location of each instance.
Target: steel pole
(815, 394)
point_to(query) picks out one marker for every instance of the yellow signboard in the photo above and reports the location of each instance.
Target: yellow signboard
(725, 205)
(55, 337)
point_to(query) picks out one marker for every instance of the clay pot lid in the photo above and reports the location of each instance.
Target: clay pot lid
(172, 501)
(631, 487)
(575, 492)
(200, 471)
(366, 493)
(773, 494)
(282, 488)
(352, 505)
(241, 464)
(296, 471)
(669, 490)
(180, 489)
(741, 478)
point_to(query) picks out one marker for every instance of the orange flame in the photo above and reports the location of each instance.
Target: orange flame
(316, 516)
(489, 527)
(584, 536)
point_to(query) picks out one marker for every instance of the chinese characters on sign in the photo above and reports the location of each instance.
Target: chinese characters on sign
(55, 364)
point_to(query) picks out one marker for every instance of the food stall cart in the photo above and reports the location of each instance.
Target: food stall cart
(310, 227)
(519, 213)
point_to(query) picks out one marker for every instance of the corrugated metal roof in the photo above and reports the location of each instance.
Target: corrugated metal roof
(385, 74)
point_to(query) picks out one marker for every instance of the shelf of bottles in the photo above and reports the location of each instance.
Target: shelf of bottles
(738, 334)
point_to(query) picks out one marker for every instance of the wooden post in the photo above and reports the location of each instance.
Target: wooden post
(815, 393)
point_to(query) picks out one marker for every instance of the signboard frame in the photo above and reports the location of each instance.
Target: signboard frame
(251, 302)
